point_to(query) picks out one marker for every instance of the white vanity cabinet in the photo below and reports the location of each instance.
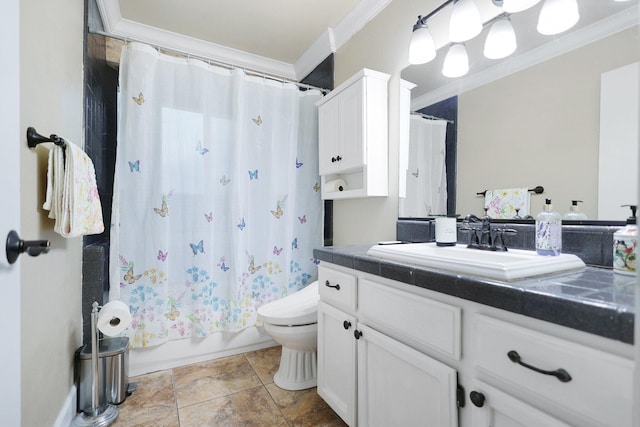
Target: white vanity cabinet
(392, 354)
(336, 361)
(353, 137)
(400, 386)
(374, 378)
(494, 408)
(587, 386)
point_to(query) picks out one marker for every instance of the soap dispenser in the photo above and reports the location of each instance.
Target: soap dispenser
(625, 242)
(548, 231)
(574, 213)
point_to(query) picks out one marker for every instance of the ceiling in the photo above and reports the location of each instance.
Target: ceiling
(287, 38)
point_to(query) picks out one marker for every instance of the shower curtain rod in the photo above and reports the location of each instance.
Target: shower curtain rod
(430, 117)
(215, 62)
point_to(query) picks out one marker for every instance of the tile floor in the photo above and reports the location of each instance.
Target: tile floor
(232, 391)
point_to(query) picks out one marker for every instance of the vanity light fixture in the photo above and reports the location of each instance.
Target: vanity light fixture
(501, 39)
(557, 16)
(465, 22)
(514, 6)
(456, 63)
(422, 49)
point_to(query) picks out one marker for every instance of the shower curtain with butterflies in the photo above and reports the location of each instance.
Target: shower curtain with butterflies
(216, 206)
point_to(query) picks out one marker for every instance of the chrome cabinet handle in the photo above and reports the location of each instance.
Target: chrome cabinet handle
(329, 285)
(560, 374)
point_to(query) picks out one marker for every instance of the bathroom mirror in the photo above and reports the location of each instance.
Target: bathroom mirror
(534, 118)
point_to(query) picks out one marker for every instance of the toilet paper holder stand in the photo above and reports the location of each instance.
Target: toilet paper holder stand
(105, 414)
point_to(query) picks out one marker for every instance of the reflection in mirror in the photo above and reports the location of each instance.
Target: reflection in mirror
(535, 118)
(430, 179)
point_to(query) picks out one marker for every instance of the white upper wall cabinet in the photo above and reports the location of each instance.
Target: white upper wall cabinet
(353, 137)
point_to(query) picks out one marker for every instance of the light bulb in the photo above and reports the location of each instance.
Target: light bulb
(513, 6)
(421, 48)
(465, 22)
(456, 63)
(501, 40)
(557, 16)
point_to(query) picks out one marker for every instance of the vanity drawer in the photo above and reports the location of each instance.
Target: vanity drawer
(337, 288)
(600, 388)
(412, 319)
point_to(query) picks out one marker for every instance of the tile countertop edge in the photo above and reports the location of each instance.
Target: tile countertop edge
(534, 298)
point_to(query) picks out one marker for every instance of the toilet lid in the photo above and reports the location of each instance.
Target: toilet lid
(299, 308)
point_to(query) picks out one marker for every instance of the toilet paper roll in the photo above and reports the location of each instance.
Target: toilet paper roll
(336, 185)
(114, 318)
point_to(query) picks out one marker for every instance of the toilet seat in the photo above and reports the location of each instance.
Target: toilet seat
(299, 308)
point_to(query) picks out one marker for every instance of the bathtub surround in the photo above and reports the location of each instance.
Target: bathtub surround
(100, 112)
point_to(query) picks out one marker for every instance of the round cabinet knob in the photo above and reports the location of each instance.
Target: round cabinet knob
(333, 160)
(477, 398)
(357, 334)
(338, 158)
(346, 324)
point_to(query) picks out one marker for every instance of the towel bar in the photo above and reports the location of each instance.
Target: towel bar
(34, 138)
(538, 190)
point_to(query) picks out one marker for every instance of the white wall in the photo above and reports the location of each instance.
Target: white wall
(51, 46)
(382, 45)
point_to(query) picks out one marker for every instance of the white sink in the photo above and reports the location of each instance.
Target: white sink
(507, 266)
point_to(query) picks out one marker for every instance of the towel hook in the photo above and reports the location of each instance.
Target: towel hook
(34, 138)
(15, 246)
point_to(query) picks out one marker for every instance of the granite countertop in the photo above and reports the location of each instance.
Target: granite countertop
(593, 300)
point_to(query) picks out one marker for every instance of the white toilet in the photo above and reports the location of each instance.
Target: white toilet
(293, 322)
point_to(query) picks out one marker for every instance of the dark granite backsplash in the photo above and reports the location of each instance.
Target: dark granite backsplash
(592, 243)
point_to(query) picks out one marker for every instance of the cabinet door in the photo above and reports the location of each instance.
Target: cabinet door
(352, 123)
(399, 386)
(328, 135)
(493, 408)
(337, 361)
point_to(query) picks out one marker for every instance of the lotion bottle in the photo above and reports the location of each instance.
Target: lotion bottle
(574, 213)
(625, 243)
(548, 231)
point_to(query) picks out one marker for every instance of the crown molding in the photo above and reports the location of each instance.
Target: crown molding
(360, 16)
(331, 40)
(571, 41)
(316, 53)
(119, 27)
(334, 38)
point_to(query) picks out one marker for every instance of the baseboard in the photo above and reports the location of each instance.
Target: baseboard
(183, 352)
(68, 410)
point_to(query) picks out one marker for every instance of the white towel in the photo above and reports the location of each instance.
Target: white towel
(72, 194)
(506, 203)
